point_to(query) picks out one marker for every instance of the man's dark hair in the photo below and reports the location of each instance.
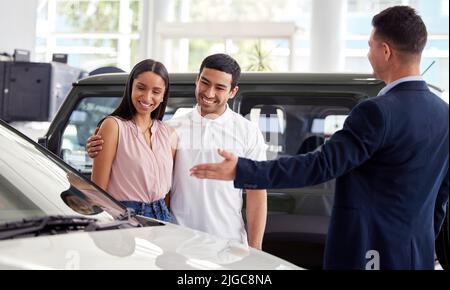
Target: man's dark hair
(402, 27)
(224, 63)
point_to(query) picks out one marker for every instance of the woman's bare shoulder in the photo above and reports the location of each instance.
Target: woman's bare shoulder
(109, 125)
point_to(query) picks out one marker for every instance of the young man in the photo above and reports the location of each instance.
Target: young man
(214, 206)
(390, 159)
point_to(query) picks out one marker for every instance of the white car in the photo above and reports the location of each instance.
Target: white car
(52, 218)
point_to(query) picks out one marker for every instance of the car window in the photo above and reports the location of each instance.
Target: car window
(329, 125)
(179, 103)
(296, 129)
(292, 125)
(82, 123)
(176, 112)
(272, 123)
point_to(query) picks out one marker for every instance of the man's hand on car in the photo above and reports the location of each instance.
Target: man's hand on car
(94, 144)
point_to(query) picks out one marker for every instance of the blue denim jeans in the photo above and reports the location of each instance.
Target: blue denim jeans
(157, 209)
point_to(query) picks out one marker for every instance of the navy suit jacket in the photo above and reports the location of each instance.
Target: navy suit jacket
(391, 164)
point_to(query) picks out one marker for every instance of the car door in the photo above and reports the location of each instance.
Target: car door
(297, 122)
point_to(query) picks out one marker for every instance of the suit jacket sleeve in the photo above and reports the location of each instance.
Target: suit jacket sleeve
(362, 135)
(441, 205)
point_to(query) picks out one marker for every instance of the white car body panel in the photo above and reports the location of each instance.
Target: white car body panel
(159, 247)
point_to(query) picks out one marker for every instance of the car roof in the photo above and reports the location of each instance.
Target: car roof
(248, 78)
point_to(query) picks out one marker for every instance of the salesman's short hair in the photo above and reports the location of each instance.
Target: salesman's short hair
(402, 27)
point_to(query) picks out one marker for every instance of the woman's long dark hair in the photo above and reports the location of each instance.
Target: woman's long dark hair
(126, 110)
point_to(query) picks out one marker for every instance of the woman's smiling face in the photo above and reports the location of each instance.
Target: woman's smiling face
(147, 92)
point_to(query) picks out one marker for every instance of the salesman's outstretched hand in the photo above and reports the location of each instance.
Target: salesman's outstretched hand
(225, 170)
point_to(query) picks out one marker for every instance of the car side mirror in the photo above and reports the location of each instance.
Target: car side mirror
(43, 141)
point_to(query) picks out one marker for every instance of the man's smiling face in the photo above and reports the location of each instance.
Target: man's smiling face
(213, 90)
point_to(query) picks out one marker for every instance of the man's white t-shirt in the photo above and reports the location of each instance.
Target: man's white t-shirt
(211, 206)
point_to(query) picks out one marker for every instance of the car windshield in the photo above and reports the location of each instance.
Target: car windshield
(34, 183)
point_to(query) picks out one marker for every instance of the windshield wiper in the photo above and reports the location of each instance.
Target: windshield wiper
(127, 215)
(50, 225)
(130, 216)
(58, 224)
(125, 220)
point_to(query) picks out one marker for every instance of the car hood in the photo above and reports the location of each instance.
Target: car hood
(159, 247)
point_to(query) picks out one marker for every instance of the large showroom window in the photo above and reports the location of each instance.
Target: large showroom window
(93, 33)
(263, 35)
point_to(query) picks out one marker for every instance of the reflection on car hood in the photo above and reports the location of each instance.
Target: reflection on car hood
(161, 247)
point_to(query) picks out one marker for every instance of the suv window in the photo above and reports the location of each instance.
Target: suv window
(82, 123)
(328, 125)
(297, 124)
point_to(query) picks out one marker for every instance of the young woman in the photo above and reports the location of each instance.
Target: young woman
(135, 165)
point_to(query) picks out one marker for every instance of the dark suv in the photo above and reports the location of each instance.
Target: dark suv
(296, 114)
